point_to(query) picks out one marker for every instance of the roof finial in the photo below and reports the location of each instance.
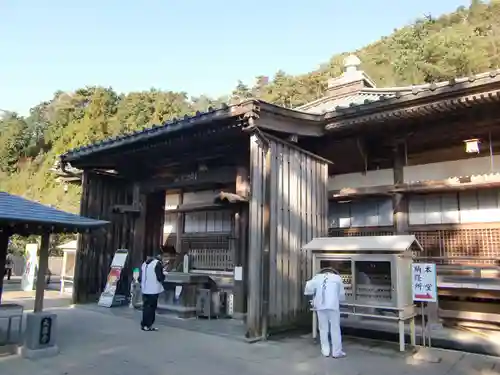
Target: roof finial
(351, 63)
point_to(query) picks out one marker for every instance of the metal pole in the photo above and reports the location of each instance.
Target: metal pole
(492, 167)
(43, 265)
(423, 324)
(4, 245)
(429, 336)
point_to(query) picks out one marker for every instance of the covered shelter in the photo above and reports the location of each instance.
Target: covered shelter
(24, 217)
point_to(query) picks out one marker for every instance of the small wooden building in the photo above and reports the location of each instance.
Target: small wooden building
(232, 187)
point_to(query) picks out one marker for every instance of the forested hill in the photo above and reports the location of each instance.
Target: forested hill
(464, 42)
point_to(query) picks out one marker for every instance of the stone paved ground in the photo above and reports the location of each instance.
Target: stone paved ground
(95, 343)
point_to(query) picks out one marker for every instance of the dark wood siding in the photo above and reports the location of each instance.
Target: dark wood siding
(291, 185)
(95, 251)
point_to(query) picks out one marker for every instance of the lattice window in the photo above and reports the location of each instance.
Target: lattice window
(455, 243)
(451, 243)
(333, 232)
(209, 253)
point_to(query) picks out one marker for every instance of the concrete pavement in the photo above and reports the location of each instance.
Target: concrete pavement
(52, 298)
(94, 341)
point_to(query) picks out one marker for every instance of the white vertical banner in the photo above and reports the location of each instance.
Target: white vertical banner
(30, 268)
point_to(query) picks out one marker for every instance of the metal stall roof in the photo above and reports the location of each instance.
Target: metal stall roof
(27, 217)
(367, 243)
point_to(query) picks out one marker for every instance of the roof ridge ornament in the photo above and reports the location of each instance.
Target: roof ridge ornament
(351, 63)
(352, 74)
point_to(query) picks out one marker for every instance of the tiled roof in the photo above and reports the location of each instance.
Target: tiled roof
(330, 104)
(225, 112)
(15, 210)
(370, 97)
(322, 111)
(147, 134)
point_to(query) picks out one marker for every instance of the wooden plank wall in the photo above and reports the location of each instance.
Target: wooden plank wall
(298, 213)
(155, 219)
(95, 251)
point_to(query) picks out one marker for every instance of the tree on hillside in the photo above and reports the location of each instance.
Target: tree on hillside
(14, 140)
(240, 93)
(460, 43)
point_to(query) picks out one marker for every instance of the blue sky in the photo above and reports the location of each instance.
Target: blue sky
(184, 45)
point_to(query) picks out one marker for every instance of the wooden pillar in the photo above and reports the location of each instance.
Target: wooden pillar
(4, 244)
(79, 293)
(155, 220)
(63, 270)
(138, 250)
(43, 265)
(255, 244)
(266, 254)
(401, 222)
(179, 226)
(400, 203)
(240, 244)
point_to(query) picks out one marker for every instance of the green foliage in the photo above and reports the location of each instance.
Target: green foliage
(17, 244)
(461, 43)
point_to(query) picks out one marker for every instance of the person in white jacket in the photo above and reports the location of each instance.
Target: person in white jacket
(151, 278)
(327, 290)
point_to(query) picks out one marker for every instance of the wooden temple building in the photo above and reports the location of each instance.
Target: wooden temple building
(230, 187)
(422, 160)
(242, 188)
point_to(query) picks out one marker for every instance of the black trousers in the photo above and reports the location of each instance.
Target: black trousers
(8, 273)
(149, 305)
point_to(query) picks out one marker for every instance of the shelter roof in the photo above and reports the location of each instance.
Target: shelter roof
(23, 216)
(252, 108)
(397, 243)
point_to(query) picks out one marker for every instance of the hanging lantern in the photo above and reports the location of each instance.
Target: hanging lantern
(472, 146)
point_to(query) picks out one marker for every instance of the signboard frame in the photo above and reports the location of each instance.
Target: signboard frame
(108, 296)
(424, 290)
(424, 282)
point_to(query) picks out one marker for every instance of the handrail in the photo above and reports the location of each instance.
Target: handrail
(457, 258)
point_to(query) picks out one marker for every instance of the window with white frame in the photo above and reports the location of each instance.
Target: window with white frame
(465, 207)
(208, 222)
(170, 224)
(372, 212)
(196, 222)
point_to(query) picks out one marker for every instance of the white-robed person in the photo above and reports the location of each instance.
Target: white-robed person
(327, 290)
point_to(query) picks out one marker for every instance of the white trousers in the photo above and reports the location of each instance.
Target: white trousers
(329, 323)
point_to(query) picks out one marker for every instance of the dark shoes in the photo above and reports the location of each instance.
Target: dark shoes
(149, 329)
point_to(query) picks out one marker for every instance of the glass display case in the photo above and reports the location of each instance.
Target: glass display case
(376, 272)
